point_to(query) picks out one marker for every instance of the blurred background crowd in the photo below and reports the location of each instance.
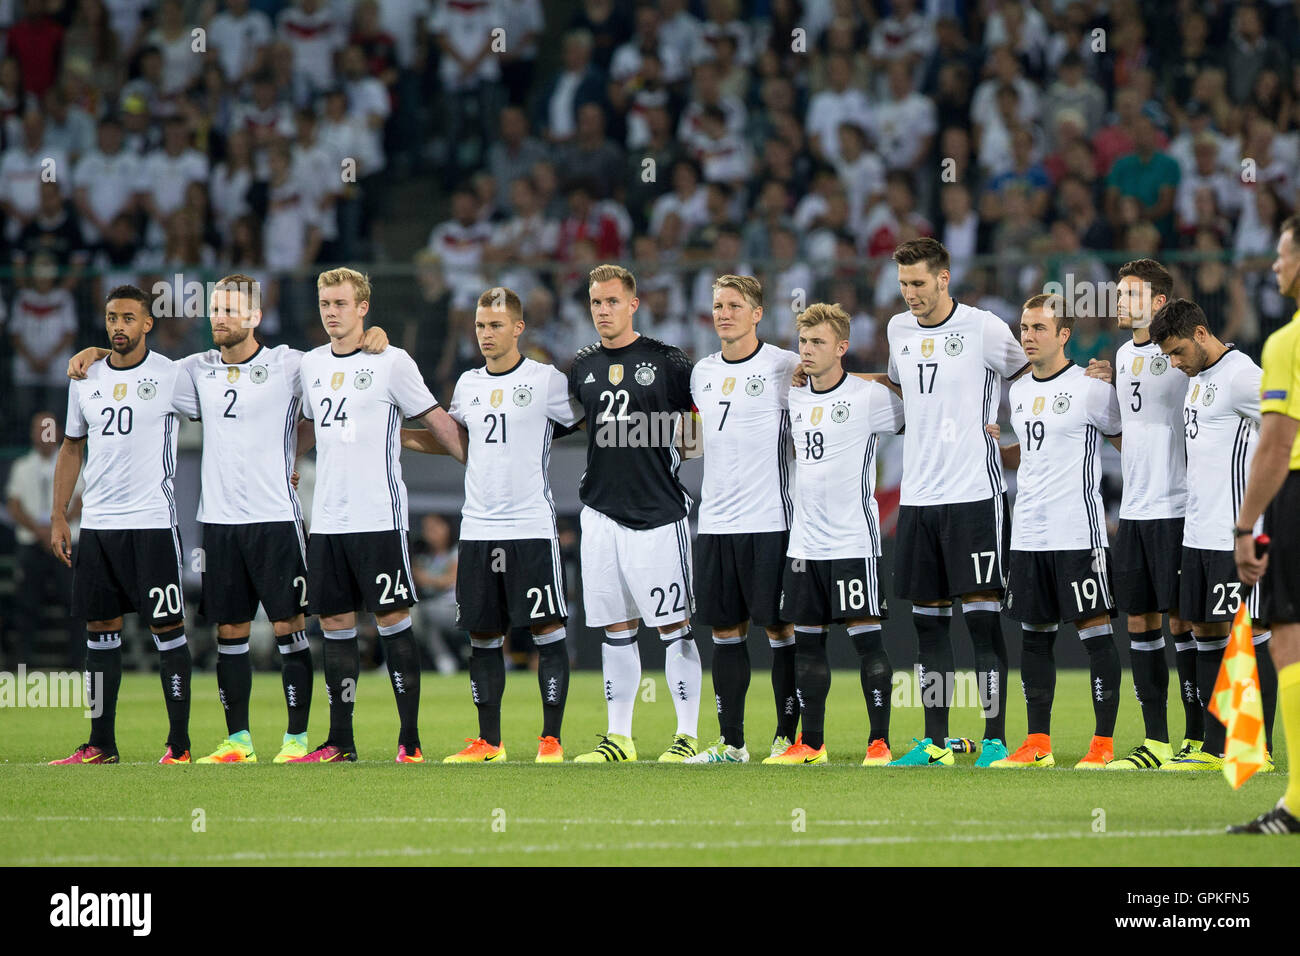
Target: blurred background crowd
(447, 145)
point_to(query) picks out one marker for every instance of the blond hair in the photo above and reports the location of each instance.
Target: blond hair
(750, 289)
(832, 315)
(360, 281)
(500, 299)
(603, 273)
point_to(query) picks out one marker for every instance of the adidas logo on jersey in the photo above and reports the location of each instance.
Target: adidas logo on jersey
(475, 402)
(708, 387)
(1020, 408)
(212, 373)
(316, 384)
(588, 379)
(96, 395)
(906, 351)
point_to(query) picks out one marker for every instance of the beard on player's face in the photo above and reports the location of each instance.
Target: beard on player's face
(235, 332)
(122, 342)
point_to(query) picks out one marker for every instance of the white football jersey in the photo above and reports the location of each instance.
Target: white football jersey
(511, 418)
(835, 511)
(1061, 421)
(244, 408)
(1154, 455)
(129, 423)
(357, 402)
(746, 433)
(951, 376)
(1221, 423)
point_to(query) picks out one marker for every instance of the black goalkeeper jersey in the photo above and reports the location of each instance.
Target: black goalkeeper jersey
(634, 398)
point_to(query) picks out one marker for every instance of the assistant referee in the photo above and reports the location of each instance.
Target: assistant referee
(1275, 484)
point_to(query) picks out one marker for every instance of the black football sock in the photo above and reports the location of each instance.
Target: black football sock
(175, 669)
(1151, 681)
(104, 680)
(813, 683)
(487, 683)
(234, 681)
(984, 621)
(1209, 656)
(1267, 683)
(730, 683)
(342, 668)
(783, 688)
(877, 676)
(1038, 678)
(934, 663)
(1104, 672)
(296, 677)
(403, 659)
(1185, 661)
(553, 678)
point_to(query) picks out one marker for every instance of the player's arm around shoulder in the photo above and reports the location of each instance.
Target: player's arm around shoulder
(1103, 410)
(80, 363)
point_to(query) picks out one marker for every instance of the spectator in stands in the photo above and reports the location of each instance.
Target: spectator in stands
(67, 128)
(1148, 175)
(513, 153)
(42, 580)
(37, 41)
(591, 221)
(1193, 55)
(526, 237)
(839, 103)
(313, 34)
(42, 329)
(434, 574)
(1073, 90)
(770, 211)
(1025, 173)
(345, 139)
(1249, 51)
(1074, 204)
(904, 122)
(90, 49)
(1115, 139)
(291, 236)
(241, 38)
(1003, 69)
(647, 41)
(524, 21)
(105, 181)
(312, 165)
(165, 173)
(577, 83)
(590, 156)
(55, 234)
(960, 230)
(22, 170)
(788, 286)
(232, 181)
(470, 76)
(172, 37)
(459, 243)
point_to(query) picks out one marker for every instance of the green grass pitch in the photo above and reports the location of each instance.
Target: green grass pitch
(376, 812)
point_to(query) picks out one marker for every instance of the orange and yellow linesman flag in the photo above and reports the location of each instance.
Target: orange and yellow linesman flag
(1237, 704)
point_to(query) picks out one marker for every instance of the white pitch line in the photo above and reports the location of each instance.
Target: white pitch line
(530, 821)
(253, 856)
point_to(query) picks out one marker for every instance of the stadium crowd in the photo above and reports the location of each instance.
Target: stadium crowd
(796, 140)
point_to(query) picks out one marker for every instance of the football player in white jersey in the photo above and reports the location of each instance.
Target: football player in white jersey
(1060, 562)
(947, 360)
(357, 557)
(508, 572)
(254, 550)
(1148, 546)
(831, 572)
(745, 505)
(1221, 427)
(122, 424)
